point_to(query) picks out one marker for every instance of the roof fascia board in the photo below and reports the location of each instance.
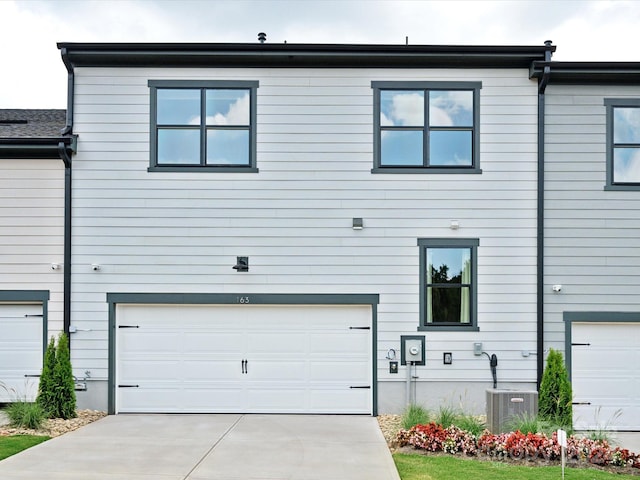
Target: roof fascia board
(298, 55)
(580, 73)
(40, 148)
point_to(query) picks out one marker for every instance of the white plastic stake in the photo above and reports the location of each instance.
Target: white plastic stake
(562, 440)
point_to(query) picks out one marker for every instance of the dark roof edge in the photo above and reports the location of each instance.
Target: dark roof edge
(35, 148)
(297, 55)
(577, 73)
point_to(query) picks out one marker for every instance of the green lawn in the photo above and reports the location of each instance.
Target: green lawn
(16, 443)
(425, 467)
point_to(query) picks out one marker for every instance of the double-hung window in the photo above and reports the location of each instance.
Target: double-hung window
(203, 125)
(623, 143)
(448, 283)
(426, 127)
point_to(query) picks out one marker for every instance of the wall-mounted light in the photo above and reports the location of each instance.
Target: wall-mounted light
(557, 288)
(454, 225)
(95, 267)
(242, 264)
(358, 224)
(55, 266)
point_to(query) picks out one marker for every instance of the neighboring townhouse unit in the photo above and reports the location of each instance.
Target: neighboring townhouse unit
(592, 235)
(303, 228)
(32, 219)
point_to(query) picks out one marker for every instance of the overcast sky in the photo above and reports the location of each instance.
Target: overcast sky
(33, 75)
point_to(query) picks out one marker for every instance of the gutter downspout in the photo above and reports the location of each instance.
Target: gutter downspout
(542, 86)
(66, 158)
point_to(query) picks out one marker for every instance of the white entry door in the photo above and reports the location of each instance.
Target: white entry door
(241, 358)
(605, 375)
(21, 337)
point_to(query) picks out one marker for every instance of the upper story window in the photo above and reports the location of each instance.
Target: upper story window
(203, 125)
(623, 144)
(448, 283)
(426, 127)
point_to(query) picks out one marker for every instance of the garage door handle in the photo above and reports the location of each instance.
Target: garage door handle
(32, 376)
(128, 386)
(580, 403)
(359, 328)
(580, 344)
(363, 386)
(244, 366)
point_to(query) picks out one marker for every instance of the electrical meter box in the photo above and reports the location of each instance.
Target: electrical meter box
(412, 349)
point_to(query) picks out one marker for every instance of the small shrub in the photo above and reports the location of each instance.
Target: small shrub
(525, 423)
(471, 424)
(447, 416)
(25, 415)
(46, 389)
(414, 415)
(65, 394)
(554, 399)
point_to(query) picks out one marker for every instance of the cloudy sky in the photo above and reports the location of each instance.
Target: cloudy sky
(34, 77)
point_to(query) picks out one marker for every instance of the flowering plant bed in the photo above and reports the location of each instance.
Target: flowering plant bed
(517, 446)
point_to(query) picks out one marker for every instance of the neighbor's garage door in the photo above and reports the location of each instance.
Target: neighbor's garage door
(605, 375)
(240, 358)
(21, 337)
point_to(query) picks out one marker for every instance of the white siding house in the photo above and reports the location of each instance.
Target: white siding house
(31, 245)
(357, 170)
(591, 235)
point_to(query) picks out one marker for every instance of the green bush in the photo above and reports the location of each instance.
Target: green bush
(56, 393)
(470, 423)
(46, 389)
(414, 415)
(447, 416)
(65, 393)
(25, 415)
(555, 396)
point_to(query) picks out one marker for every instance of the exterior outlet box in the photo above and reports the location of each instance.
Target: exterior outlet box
(80, 386)
(503, 405)
(477, 349)
(413, 350)
(393, 367)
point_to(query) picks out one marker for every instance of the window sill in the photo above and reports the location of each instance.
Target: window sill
(432, 170)
(628, 188)
(448, 328)
(194, 168)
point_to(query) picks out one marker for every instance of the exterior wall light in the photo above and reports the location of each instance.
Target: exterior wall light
(242, 264)
(358, 224)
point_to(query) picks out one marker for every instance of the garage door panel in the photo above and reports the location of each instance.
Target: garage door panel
(21, 351)
(204, 341)
(605, 375)
(277, 343)
(211, 370)
(351, 400)
(282, 370)
(339, 371)
(292, 353)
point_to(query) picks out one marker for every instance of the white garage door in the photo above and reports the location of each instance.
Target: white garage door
(606, 375)
(20, 351)
(240, 358)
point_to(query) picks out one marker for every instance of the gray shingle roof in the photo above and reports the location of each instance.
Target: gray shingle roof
(31, 123)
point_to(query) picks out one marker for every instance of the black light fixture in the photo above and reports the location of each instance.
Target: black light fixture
(242, 264)
(358, 224)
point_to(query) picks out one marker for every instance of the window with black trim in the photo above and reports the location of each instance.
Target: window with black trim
(203, 125)
(426, 127)
(623, 143)
(448, 283)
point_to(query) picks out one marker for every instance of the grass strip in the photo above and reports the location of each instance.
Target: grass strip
(16, 443)
(426, 467)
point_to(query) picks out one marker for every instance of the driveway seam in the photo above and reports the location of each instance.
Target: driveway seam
(217, 442)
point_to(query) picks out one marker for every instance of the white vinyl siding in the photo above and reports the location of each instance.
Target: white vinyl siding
(181, 232)
(32, 229)
(591, 235)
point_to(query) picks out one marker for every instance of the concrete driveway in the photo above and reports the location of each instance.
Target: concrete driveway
(211, 447)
